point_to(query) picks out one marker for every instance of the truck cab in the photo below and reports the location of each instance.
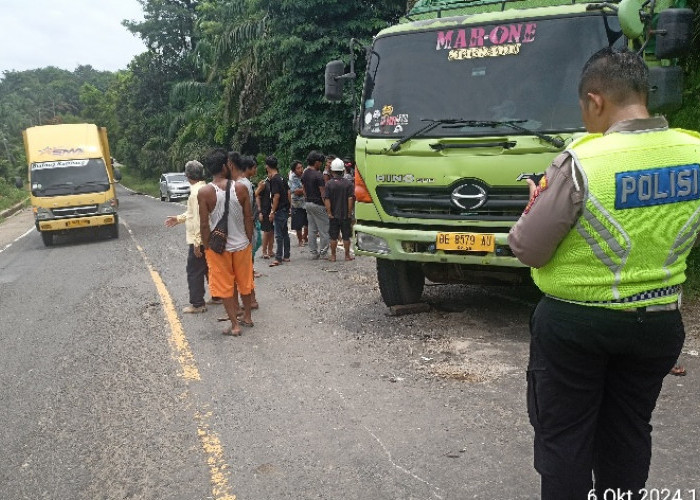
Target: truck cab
(72, 181)
(461, 102)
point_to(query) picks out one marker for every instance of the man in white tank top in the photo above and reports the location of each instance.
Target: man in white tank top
(234, 265)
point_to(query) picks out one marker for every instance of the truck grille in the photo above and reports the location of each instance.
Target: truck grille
(75, 211)
(502, 204)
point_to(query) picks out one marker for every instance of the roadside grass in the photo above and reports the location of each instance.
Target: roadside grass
(135, 182)
(10, 195)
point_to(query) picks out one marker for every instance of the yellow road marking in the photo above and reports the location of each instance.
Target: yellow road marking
(177, 339)
(218, 469)
(214, 451)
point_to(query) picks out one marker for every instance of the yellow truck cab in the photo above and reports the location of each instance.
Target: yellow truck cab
(71, 179)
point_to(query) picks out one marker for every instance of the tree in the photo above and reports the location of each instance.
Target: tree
(303, 36)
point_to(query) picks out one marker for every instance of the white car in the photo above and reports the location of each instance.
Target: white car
(174, 186)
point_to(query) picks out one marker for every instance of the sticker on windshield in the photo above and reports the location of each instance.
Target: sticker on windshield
(59, 164)
(393, 123)
(479, 42)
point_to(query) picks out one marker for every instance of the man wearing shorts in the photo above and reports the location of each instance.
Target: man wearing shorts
(235, 264)
(339, 198)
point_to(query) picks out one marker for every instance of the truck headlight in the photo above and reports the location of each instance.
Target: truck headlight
(42, 213)
(108, 207)
(371, 243)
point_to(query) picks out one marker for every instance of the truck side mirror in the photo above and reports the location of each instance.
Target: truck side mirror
(117, 174)
(629, 15)
(665, 89)
(674, 31)
(18, 183)
(334, 84)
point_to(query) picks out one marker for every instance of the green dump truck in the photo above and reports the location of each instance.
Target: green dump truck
(464, 99)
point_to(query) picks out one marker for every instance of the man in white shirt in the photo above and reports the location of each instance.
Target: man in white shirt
(196, 263)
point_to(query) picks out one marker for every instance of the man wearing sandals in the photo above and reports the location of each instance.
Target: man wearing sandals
(196, 263)
(279, 192)
(235, 264)
(313, 187)
(339, 199)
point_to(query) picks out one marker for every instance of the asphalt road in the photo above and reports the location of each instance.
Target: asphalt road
(108, 391)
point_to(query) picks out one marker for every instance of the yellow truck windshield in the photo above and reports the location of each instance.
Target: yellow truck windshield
(58, 178)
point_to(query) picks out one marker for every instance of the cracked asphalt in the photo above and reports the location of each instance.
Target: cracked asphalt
(326, 397)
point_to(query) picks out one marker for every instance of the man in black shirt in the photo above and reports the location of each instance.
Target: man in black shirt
(314, 189)
(279, 192)
(339, 199)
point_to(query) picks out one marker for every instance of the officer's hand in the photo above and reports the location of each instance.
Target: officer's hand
(533, 187)
(171, 221)
(198, 251)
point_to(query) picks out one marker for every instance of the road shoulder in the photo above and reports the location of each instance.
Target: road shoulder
(15, 226)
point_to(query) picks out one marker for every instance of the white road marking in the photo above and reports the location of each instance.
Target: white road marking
(17, 239)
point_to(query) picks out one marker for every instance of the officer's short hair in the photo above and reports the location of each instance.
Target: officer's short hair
(619, 74)
(194, 170)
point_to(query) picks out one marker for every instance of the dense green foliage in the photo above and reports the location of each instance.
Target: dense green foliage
(39, 97)
(242, 74)
(9, 195)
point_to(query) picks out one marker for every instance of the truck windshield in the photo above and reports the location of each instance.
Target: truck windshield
(56, 178)
(515, 70)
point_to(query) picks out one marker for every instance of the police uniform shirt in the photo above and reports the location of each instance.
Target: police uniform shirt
(558, 203)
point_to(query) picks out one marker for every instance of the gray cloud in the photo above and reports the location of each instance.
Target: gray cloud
(67, 34)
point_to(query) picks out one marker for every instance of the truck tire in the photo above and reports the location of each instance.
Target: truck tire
(400, 282)
(113, 230)
(47, 237)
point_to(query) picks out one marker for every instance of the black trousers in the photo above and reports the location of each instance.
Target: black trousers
(197, 270)
(593, 380)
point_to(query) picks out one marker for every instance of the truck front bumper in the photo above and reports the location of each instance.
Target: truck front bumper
(419, 245)
(75, 222)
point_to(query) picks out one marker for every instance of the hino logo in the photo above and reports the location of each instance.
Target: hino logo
(468, 196)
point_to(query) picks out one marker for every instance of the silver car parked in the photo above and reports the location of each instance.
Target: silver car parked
(174, 186)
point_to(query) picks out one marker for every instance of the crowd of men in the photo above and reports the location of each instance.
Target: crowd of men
(609, 258)
(320, 204)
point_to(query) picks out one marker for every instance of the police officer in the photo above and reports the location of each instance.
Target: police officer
(607, 231)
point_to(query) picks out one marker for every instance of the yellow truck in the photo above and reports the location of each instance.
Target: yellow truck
(71, 178)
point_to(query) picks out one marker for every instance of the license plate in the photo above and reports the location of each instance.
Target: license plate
(77, 223)
(466, 242)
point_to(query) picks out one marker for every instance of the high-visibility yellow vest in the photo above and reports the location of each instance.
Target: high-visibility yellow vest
(640, 218)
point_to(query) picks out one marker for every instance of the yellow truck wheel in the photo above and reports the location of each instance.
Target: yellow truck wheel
(47, 237)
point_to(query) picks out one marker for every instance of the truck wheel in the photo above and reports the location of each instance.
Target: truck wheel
(114, 231)
(47, 237)
(400, 282)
